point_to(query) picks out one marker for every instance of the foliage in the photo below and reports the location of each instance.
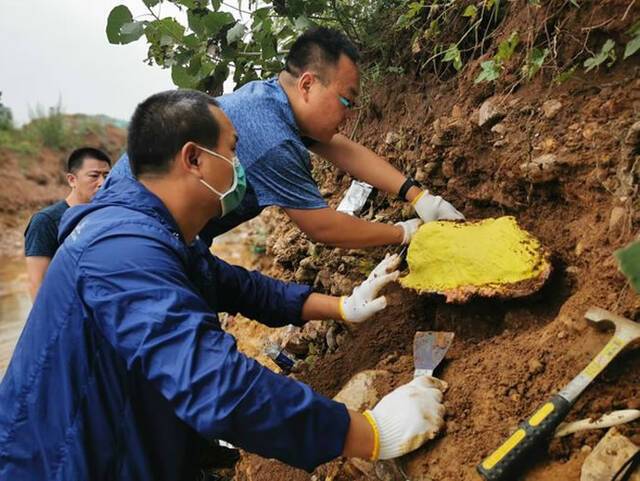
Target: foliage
(629, 263)
(49, 127)
(6, 118)
(634, 44)
(206, 42)
(491, 69)
(219, 38)
(607, 54)
(534, 62)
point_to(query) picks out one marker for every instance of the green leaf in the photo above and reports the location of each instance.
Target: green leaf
(132, 31)
(471, 11)
(214, 21)
(629, 263)
(534, 62)
(507, 47)
(192, 41)
(182, 78)
(632, 47)
(268, 47)
(302, 23)
(564, 76)
(151, 3)
(490, 72)
(607, 52)
(575, 3)
(119, 16)
(195, 22)
(635, 29)
(235, 33)
(453, 55)
(171, 27)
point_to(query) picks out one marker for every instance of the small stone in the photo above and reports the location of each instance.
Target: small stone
(616, 218)
(633, 135)
(499, 129)
(590, 130)
(607, 457)
(456, 112)
(420, 175)
(551, 108)
(586, 448)
(304, 275)
(359, 392)
(561, 335)
(491, 112)
(429, 167)
(579, 248)
(535, 366)
(542, 169)
(391, 138)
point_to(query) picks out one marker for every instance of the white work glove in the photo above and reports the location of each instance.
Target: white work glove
(409, 228)
(433, 207)
(407, 417)
(363, 303)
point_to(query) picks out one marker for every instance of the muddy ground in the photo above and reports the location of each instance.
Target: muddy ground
(508, 356)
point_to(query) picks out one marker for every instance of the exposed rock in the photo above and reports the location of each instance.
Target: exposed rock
(304, 275)
(542, 169)
(551, 108)
(360, 393)
(633, 135)
(499, 129)
(616, 218)
(391, 138)
(608, 456)
(535, 366)
(491, 112)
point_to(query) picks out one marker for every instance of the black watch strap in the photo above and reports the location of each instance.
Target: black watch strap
(402, 193)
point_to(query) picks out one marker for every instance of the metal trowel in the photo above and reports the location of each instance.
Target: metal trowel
(429, 349)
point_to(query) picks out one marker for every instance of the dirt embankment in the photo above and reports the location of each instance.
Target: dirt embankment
(561, 159)
(28, 183)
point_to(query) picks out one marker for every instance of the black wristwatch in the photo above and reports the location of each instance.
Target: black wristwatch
(402, 193)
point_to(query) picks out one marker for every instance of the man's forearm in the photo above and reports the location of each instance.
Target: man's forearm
(359, 442)
(337, 229)
(365, 165)
(320, 307)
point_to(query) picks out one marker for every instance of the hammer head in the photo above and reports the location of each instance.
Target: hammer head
(626, 329)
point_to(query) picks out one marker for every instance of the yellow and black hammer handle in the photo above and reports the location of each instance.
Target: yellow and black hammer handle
(511, 455)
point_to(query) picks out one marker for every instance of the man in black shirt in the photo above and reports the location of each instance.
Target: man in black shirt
(87, 168)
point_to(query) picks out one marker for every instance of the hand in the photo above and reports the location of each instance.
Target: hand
(409, 228)
(407, 417)
(362, 303)
(430, 207)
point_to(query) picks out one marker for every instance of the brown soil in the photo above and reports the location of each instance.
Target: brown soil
(29, 183)
(508, 356)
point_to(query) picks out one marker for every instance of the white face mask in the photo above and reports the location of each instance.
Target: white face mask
(230, 199)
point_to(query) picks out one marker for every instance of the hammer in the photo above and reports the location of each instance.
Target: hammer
(500, 464)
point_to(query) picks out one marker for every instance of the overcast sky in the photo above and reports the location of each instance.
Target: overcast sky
(51, 49)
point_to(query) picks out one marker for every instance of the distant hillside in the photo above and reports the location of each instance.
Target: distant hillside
(32, 161)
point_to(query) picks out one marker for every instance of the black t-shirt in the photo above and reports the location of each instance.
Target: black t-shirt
(41, 235)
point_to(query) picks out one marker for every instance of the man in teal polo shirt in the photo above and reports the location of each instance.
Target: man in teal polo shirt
(279, 120)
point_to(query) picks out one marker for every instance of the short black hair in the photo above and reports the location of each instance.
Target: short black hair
(78, 156)
(163, 123)
(318, 48)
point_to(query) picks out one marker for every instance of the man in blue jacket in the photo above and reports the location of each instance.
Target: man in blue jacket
(123, 372)
(281, 119)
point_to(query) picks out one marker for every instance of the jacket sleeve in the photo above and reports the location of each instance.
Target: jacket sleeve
(256, 296)
(136, 292)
